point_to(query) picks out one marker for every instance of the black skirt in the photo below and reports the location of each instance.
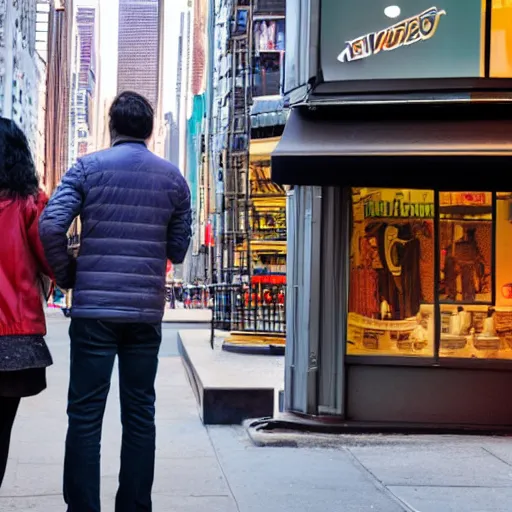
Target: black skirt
(23, 363)
(22, 383)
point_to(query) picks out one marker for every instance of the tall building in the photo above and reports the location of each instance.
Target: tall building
(19, 66)
(58, 92)
(83, 80)
(41, 45)
(139, 48)
(172, 139)
(177, 157)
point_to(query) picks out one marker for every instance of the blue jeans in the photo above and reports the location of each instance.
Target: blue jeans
(94, 346)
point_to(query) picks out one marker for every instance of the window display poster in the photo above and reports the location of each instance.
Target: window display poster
(378, 39)
(392, 273)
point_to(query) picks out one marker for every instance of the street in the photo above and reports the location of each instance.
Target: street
(217, 469)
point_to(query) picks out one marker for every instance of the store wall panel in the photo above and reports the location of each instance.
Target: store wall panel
(429, 395)
(335, 217)
(303, 299)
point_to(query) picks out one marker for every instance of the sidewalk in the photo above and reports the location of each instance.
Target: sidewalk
(218, 470)
(188, 475)
(182, 315)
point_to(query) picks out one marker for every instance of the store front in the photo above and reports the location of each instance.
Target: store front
(267, 213)
(400, 219)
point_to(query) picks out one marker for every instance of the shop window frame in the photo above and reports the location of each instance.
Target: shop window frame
(436, 360)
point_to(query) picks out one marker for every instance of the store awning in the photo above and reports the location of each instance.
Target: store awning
(432, 146)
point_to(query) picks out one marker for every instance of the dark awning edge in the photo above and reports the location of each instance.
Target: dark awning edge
(444, 147)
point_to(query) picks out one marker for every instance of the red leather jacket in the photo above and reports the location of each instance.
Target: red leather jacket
(22, 262)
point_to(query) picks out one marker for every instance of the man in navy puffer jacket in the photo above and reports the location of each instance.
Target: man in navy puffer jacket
(135, 214)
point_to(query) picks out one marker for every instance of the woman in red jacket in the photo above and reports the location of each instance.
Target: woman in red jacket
(24, 355)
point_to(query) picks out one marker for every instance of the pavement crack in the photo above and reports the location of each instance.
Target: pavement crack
(495, 456)
(447, 486)
(379, 484)
(217, 457)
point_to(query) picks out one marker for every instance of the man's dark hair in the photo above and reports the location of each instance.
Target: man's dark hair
(18, 176)
(131, 115)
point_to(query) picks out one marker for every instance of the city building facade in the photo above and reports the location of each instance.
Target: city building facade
(399, 264)
(247, 116)
(20, 66)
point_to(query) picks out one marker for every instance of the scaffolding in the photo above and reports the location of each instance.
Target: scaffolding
(236, 262)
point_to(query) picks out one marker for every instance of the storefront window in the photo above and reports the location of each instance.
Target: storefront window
(465, 232)
(484, 330)
(391, 299)
(466, 271)
(394, 290)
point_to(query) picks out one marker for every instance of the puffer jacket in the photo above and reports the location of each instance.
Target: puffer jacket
(135, 214)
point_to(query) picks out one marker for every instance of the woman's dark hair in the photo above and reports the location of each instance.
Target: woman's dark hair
(131, 115)
(18, 176)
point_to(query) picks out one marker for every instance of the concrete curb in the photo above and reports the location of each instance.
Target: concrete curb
(249, 349)
(295, 434)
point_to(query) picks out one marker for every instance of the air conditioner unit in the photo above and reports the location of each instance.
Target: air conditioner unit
(276, 7)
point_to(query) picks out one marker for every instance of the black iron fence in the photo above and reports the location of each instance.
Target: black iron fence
(192, 297)
(259, 308)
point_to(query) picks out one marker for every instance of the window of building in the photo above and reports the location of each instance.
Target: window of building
(268, 64)
(466, 270)
(397, 303)
(392, 273)
(478, 323)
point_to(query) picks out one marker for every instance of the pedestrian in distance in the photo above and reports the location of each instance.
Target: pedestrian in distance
(135, 215)
(24, 272)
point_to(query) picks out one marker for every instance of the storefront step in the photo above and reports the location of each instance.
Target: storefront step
(229, 388)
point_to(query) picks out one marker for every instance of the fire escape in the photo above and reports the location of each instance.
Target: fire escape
(236, 246)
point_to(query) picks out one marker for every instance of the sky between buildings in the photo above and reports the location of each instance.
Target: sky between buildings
(108, 49)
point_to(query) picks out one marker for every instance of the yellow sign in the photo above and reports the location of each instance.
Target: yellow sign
(272, 221)
(398, 209)
(412, 30)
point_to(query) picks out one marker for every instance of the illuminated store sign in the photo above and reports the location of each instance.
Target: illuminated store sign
(398, 209)
(412, 30)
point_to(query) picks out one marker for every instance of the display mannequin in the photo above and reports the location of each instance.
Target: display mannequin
(489, 329)
(460, 323)
(385, 309)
